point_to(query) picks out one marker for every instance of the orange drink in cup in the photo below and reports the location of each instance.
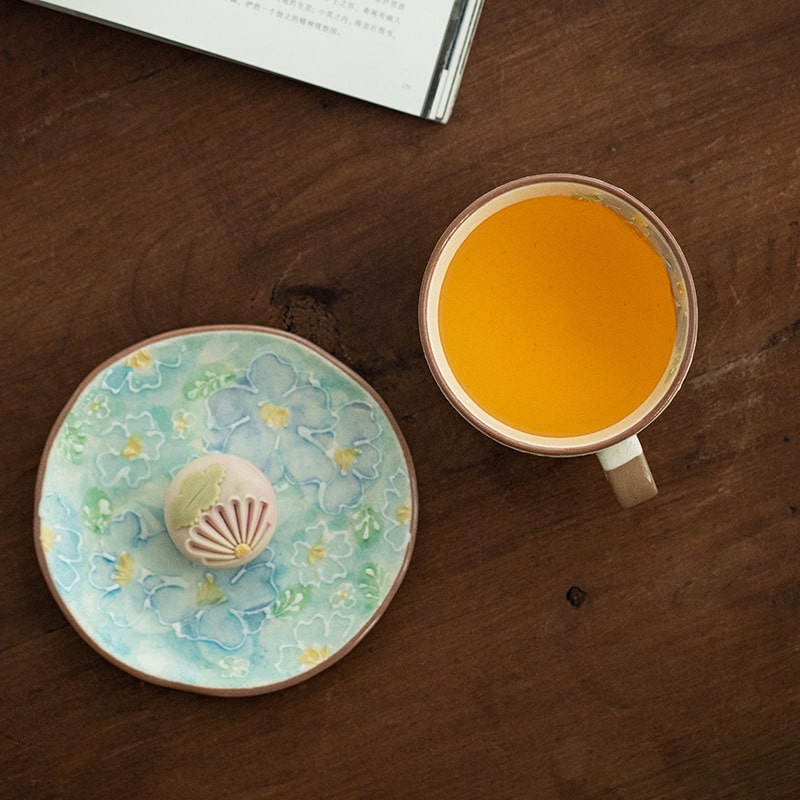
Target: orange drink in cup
(559, 316)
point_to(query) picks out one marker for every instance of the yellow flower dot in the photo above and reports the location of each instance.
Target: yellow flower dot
(273, 416)
(209, 594)
(133, 447)
(315, 553)
(140, 360)
(403, 513)
(312, 656)
(47, 537)
(123, 570)
(344, 457)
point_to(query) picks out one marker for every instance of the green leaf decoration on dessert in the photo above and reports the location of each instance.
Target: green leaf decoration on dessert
(365, 525)
(96, 510)
(207, 380)
(291, 600)
(199, 491)
(209, 594)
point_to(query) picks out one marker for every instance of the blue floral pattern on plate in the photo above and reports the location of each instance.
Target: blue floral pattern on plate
(346, 503)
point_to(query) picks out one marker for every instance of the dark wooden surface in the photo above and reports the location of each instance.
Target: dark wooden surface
(145, 188)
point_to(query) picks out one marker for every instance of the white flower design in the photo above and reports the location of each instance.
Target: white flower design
(344, 596)
(182, 422)
(131, 446)
(320, 555)
(96, 408)
(397, 511)
(60, 538)
(142, 369)
(315, 641)
(235, 666)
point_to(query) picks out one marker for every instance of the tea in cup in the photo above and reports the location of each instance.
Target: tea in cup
(558, 315)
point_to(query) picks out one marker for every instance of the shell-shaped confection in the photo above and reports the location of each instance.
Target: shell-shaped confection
(220, 511)
(231, 532)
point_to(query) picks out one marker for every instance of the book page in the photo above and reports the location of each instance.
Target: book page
(384, 51)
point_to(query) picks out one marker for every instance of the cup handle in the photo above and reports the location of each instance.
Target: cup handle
(628, 472)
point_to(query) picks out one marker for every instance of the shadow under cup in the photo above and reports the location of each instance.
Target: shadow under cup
(617, 446)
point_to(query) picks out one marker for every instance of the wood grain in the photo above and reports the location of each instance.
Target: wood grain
(545, 643)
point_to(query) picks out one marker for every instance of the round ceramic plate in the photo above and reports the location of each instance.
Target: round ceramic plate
(346, 497)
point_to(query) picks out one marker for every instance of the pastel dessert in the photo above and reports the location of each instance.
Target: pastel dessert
(220, 511)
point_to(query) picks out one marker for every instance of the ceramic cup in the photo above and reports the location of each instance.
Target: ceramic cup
(616, 446)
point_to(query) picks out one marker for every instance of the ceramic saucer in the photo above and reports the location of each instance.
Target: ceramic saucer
(346, 496)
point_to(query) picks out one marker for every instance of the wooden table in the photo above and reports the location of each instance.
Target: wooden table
(545, 643)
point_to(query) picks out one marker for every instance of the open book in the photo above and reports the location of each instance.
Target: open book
(405, 54)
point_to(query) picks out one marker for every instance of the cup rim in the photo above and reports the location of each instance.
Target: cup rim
(554, 446)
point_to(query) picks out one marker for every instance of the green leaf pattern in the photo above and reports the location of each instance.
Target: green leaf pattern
(366, 526)
(72, 441)
(207, 380)
(291, 600)
(96, 510)
(373, 581)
